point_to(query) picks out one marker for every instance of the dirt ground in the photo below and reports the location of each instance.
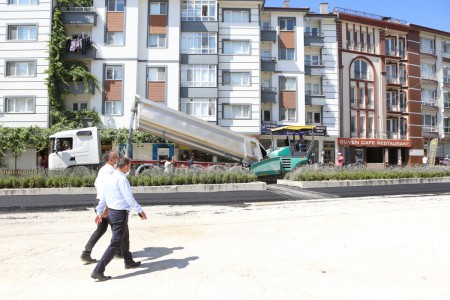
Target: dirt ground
(367, 248)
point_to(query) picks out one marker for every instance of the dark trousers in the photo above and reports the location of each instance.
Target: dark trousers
(120, 240)
(96, 235)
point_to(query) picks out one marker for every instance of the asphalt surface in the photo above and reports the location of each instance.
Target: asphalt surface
(273, 193)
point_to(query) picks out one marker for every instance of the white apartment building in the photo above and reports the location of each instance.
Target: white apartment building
(24, 35)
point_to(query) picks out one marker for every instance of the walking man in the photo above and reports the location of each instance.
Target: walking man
(111, 158)
(117, 195)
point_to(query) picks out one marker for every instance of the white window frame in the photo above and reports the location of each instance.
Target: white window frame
(237, 111)
(190, 10)
(288, 84)
(77, 106)
(288, 114)
(391, 98)
(446, 72)
(115, 109)
(446, 122)
(15, 102)
(446, 99)
(156, 74)
(390, 46)
(199, 75)
(312, 116)
(160, 7)
(362, 95)
(116, 5)
(427, 45)
(312, 88)
(428, 96)
(236, 16)
(161, 41)
(29, 30)
(312, 60)
(236, 47)
(115, 38)
(370, 96)
(287, 24)
(12, 65)
(198, 42)
(22, 2)
(363, 74)
(114, 72)
(287, 53)
(236, 78)
(202, 108)
(353, 95)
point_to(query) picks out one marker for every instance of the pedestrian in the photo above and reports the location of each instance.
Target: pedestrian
(424, 161)
(340, 161)
(191, 161)
(119, 199)
(169, 164)
(111, 159)
(447, 161)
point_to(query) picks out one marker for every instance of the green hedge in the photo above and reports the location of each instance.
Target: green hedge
(325, 173)
(87, 179)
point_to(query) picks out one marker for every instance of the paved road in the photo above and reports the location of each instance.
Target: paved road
(273, 193)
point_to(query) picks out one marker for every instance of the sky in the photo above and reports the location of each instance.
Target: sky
(430, 13)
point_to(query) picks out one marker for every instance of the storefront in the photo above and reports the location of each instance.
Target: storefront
(374, 151)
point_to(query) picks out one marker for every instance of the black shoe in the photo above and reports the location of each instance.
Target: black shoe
(87, 258)
(99, 277)
(133, 265)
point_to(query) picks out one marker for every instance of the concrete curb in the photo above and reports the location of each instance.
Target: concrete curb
(194, 188)
(372, 182)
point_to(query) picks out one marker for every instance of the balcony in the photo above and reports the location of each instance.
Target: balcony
(428, 51)
(77, 88)
(269, 94)
(392, 135)
(268, 64)
(392, 80)
(315, 99)
(268, 34)
(90, 54)
(314, 39)
(429, 104)
(391, 52)
(392, 107)
(314, 69)
(402, 80)
(430, 131)
(79, 15)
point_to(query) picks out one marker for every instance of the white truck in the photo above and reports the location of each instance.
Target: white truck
(163, 122)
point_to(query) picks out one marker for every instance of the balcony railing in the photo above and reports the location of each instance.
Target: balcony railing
(428, 50)
(428, 76)
(79, 15)
(427, 128)
(391, 52)
(268, 58)
(311, 92)
(391, 80)
(268, 89)
(429, 102)
(313, 34)
(393, 107)
(392, 135)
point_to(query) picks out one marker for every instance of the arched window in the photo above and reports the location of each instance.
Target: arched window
(361, 70)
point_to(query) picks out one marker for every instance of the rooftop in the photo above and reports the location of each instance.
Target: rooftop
(368, 15)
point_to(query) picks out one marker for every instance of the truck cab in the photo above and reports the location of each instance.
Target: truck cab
(79, 147)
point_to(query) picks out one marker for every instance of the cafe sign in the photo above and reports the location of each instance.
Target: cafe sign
(373, 143)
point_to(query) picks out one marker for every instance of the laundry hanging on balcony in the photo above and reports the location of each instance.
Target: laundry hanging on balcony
(78, 44)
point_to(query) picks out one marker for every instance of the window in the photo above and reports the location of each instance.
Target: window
(447, 125)
(158, 8)
(447, 99)
(236, 16)
(198, 10)
(19, 105)
(114, 73)
(287, 54)
(114, 38)
(113, 108)
(77, 106)
(363, 40)
(350, 38)
(287, 114)
(362, 124)
(353, 95)
(353, 124)
(446, 74)
(312, 88)
(371, 123)
(392, 125)
(236, 47)
(362, 96)
(428, 96)
(361, 70)
(429, 123)
(402, 100)
(391, 74)
(198, 75)
(446, 49)
(236, 78)
(236, 111)
(23, 2)
(116, 5)
(22, 32)
(357, 38)
(202, 108)
(391, 98)
(287, 24)
(265, 25)
(288, 84)
(428, 71)
(370, 96)
(156, 74)
(313, 117)
(266, 115)
(370, 42)
(198, 42)
(157, 41)
(312, 31)
(312, 60)
(20, 68)
(390, 46)
(401, 48)
(427, 46)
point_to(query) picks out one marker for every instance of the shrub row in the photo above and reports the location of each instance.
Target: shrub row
(61, 180)
(315, 173)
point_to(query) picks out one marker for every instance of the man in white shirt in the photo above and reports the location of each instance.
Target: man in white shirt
(169, 164)
(425, 161)
(117, 195)
(111, 158)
